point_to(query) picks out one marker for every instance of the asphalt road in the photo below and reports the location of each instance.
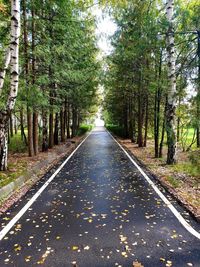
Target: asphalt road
(99, 211)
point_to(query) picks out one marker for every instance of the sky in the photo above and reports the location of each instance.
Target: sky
(105, 29)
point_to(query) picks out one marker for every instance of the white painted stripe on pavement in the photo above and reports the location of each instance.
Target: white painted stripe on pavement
(7, 228)
(180, 218)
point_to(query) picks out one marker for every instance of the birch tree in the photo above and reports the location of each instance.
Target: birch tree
(171, 100)
(13, 58)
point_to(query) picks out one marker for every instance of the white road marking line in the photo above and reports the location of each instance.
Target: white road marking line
(187, 226)
(7, 228)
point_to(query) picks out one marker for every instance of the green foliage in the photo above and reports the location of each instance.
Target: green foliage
(84, 128)
(115, 129)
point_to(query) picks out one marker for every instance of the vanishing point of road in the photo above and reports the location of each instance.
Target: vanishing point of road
(97, 210)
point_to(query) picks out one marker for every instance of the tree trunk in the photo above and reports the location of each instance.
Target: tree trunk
(171, 103)
(157, 109)
(35, 133)
(146, 121)
(23, 136)
(140, 117)
(56, 130)
(126, 121)
(11, 125)
(15, 124)
(26, 75)
(44, 132)
(35, 113)
(68, 121)
(163, 131)
(178, 128)
(3, 71)
(51, 138)
(62, 125)
(134, 138)
(22, 123)
(3, 142)
(14, 57)
(30, 132)
(131, 119)
(14, 81)
(198, 94)
(74, 122)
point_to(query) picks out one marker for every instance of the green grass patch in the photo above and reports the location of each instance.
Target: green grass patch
(84, 128)
(17, 145)
(187, 168)
(174, 182)
(14, 171)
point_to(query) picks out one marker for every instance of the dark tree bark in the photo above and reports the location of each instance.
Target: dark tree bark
(62, 125)
(26, 74)
(74, 122)
(15, 124)
(68, 120)
(56, 130)
(198, 93)
(140, 115)
(146, 120)
(11, 125)
(35, 133)
(126, 121)
(22, 123)
(44, 132)
(51, 137)
(35, 113)
(30, 133)
(163, 131)
(3, 141)
(158, 96)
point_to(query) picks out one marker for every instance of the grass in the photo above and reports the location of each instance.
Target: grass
(187, 168)
(174, 182)
(17, 145)
(15, 170)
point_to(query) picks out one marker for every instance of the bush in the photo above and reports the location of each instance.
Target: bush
(115, 129)
(84, 128)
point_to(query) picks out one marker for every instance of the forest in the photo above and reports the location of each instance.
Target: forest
(52, 59)
(152, 79)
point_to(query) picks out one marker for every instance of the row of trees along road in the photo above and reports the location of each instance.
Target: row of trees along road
(155, 63)
(58, 71)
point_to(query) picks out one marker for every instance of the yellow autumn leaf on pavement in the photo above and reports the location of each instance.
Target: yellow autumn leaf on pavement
(74, 248)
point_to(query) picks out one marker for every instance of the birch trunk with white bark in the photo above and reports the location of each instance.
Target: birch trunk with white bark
(14, 76)
(171, 102)
(3, 71)
(14, 50)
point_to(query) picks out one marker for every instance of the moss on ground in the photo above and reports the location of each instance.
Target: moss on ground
(15, 169)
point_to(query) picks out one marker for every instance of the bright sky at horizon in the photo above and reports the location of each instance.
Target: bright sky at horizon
(105, 29)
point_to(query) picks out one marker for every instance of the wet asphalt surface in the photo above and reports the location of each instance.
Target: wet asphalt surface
(98, 212)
